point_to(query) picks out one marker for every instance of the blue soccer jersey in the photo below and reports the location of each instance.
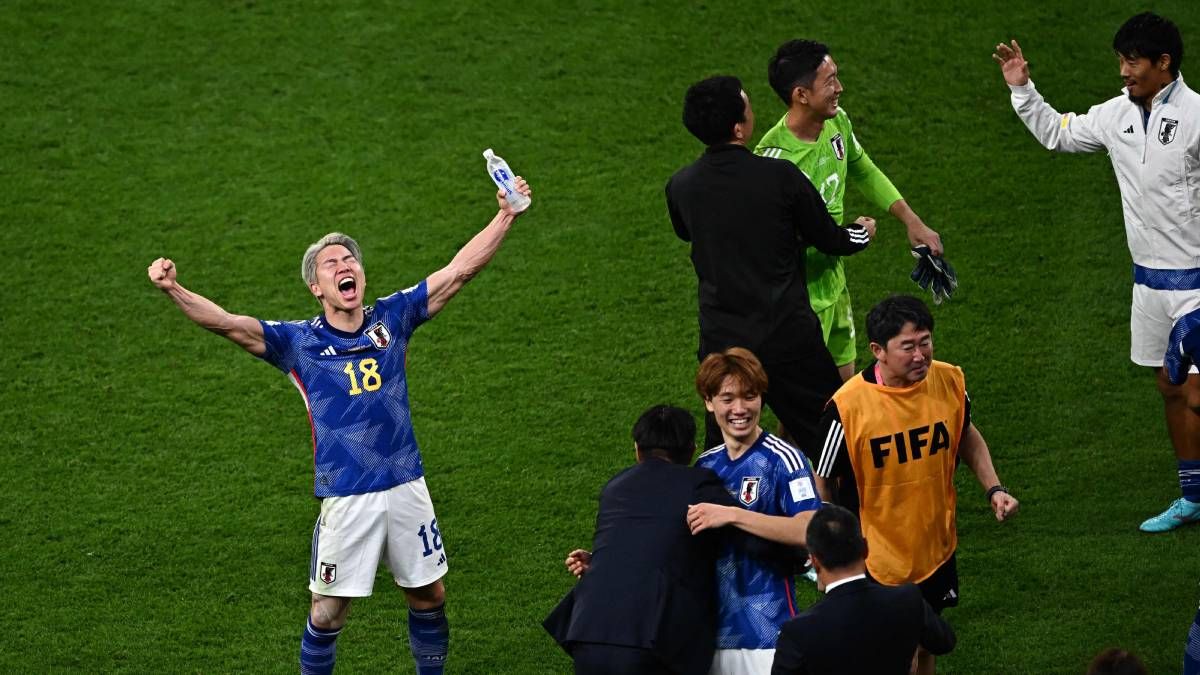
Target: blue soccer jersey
(355, 388)
(774, 479)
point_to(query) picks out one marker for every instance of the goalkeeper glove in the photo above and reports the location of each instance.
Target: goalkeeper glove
(1183, 347)
(934, 273)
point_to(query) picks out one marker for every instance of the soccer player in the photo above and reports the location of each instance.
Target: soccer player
(898, 429)
(748, 220)
(773, 484)
(646, 556)
(348, 363)
(1151, 133)
(815, 134)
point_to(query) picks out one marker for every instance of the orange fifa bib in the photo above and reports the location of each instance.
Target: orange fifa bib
(903, 447)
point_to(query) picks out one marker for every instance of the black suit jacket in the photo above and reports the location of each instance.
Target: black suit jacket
(861, 627)
(749, 219)
(651, 584)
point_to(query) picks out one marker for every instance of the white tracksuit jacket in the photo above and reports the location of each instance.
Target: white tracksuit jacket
(1157, 166)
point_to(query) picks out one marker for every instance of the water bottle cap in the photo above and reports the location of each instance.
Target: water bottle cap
(488, 154)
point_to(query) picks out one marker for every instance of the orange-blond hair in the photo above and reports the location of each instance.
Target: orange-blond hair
(736, 362)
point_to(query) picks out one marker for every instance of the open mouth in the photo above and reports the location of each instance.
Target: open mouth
(347, 286)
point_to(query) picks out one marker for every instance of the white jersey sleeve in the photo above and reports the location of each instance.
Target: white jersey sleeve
(1064, 132)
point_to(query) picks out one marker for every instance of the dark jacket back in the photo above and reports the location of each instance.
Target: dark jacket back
(651, 584)
(749, 219)
(861, 627)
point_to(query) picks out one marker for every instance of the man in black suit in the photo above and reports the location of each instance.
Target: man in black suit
(646, 600)
(859, 626)
(748, 220)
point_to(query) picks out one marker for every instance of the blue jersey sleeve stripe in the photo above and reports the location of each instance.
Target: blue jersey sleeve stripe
(788, 462)
(790, 455)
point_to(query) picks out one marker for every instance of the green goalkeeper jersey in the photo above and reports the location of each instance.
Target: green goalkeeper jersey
(827, 162)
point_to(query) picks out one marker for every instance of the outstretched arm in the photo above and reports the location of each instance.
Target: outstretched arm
(1062, 132)
(974, 451)
(244, 331)
(472, 258)
(878, 188)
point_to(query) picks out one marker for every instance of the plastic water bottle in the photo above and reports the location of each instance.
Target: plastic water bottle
(506, 180)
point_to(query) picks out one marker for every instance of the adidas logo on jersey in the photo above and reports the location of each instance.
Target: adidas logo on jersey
(1129, 130)
(329, 351)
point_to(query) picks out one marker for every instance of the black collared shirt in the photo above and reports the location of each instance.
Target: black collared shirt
(749, 219)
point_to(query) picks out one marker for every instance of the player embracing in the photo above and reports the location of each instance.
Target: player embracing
(815, 134)
(773, 483)
(349, 364)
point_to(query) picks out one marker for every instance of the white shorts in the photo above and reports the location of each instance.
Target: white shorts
(1151, 317)
(742, 662)
(354, 532)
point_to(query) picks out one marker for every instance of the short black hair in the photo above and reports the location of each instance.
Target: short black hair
(834, 537)
(1150, 36)
(667, 432)
(795, 65)
(1116, 662)
(887, 319)
(712, 107)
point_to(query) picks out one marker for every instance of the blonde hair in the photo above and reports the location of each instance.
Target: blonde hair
(308, 267)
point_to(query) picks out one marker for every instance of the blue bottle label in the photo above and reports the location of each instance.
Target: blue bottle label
(502, 179)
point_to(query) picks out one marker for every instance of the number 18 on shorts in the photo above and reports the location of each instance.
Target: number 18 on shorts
(355, 532)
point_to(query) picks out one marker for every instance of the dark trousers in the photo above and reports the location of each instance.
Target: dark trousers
(797, 391)
(597, 659)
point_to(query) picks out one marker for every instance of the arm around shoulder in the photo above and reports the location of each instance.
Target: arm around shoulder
(815, 225)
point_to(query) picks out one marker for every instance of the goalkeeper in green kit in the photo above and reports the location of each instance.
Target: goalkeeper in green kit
(815, 134)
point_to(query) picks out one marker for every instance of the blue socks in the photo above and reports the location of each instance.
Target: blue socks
(1189, 480)
(429, 637)
(318, 650)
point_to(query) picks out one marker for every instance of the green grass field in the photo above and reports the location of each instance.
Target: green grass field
(159, 480)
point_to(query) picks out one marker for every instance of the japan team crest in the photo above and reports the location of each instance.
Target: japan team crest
(749, 492)
(328, 572)
(1166, 130)
(380, 337)
(839, 146)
